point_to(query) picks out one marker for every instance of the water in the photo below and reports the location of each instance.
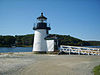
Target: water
(25, 49)
(16, 49)
(93, 46)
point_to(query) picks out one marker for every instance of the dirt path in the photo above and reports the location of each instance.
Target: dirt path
(61, 65)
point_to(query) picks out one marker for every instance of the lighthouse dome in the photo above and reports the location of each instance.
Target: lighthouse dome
(42, 18)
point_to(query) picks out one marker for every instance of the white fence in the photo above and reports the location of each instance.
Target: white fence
(80, 50)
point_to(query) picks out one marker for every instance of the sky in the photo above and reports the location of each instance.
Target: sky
(77, 18)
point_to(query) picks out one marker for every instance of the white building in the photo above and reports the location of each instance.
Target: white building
(41, 44)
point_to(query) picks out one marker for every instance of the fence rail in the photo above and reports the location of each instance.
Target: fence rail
(79, 50)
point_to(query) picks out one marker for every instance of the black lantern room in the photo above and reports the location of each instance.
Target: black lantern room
(41, 23)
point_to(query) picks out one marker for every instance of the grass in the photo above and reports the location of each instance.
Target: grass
(96, 70)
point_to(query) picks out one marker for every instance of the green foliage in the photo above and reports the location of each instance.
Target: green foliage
(96, 70)
(18, 40)
(69, 40)
(24, 40)
(7, 41)
(27, 40)
(94, 43)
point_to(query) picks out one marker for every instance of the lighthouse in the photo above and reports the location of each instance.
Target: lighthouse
(41, 32)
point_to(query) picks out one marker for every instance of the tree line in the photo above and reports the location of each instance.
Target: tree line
(17, 40)
(27, 40)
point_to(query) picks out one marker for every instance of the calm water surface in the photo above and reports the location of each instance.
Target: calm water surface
(16, 49)
(25, 49)
(93, 46)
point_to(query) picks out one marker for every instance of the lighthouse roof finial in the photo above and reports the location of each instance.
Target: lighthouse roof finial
(42, 18)
(41, 13)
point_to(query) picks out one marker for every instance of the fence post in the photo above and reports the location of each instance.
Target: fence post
(98, 52)
(69, 50)
(88, 51)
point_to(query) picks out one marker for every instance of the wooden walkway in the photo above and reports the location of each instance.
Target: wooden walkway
(79, 50)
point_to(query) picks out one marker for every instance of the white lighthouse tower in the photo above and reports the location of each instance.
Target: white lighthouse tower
(41, 32)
